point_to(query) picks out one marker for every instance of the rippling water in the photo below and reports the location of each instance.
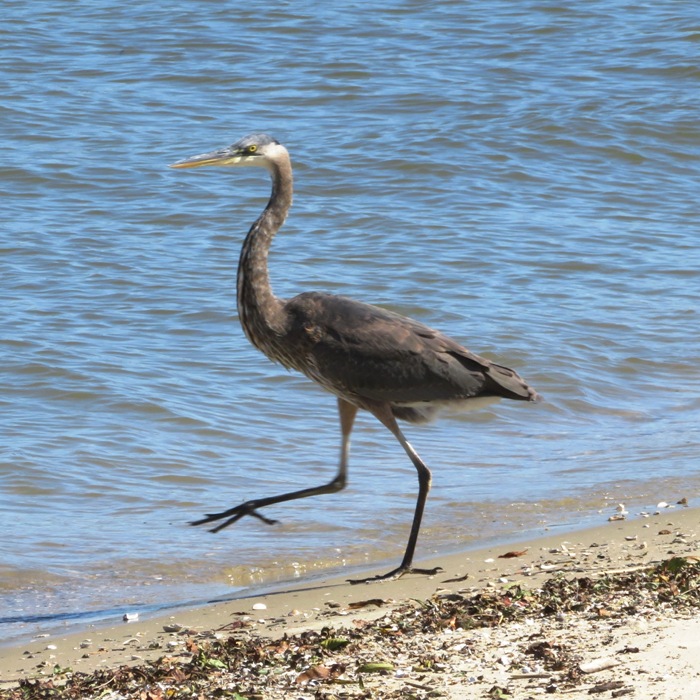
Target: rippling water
(522, 176)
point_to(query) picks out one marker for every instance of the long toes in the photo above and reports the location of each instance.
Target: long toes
(232, 516)
(269, 521)
(212, 517)
(391, 576)
(396, 574)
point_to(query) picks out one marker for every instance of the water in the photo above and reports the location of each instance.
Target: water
(522, 176)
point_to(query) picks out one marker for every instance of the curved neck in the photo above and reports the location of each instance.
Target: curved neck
(259, 310)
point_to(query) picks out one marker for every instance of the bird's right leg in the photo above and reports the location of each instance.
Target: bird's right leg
(347, 413)
(384, 414)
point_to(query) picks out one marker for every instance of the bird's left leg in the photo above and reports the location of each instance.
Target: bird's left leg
(384, 414)
(347, 413)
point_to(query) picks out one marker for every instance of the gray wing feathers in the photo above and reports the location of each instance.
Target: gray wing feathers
(384, 356)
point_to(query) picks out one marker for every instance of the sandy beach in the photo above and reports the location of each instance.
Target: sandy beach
(375, 640)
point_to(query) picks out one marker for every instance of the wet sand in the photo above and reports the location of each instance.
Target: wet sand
(665, 665)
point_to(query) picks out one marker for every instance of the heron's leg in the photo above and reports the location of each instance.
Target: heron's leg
(347, 413)
(384, 414)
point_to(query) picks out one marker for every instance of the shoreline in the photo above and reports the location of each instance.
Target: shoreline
(611, 547)
(73, 622)
(67, 623)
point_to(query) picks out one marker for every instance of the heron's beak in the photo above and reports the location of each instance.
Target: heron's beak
(224, 156)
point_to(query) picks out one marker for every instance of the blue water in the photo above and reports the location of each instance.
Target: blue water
(521, 176)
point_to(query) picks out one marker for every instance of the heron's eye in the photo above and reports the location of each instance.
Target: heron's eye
(252, 148)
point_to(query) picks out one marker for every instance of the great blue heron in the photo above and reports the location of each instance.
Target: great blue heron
(370, 358)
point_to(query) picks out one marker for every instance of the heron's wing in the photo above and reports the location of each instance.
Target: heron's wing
(380, 355)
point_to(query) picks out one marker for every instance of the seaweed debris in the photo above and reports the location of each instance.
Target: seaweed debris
(403, 654)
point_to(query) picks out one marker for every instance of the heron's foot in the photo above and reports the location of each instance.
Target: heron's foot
(396, 574)
(232, 515)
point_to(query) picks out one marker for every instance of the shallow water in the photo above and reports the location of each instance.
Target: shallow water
(523, 177)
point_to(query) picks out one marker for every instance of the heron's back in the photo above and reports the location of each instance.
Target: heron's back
(366, 354)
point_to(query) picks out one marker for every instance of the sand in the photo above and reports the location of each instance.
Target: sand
(651, 655)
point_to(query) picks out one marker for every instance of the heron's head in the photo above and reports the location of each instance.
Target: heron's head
(254, 149)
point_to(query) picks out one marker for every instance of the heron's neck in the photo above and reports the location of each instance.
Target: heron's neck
(260, 311)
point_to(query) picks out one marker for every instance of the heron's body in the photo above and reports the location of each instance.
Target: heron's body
(370, 358)
(365, 355)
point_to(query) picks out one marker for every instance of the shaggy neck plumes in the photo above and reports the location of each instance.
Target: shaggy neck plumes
(260, 311)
